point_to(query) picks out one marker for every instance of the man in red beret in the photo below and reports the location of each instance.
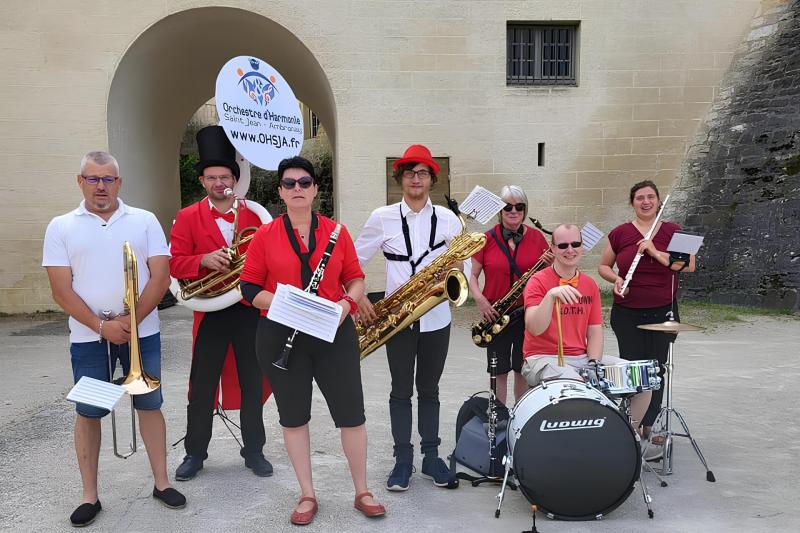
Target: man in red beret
(411, 234)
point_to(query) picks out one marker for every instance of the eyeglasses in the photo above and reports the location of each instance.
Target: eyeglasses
(305, 182)
(565, 245)
(223, 177)
(519, 207)
(94, 180)
(421, 174)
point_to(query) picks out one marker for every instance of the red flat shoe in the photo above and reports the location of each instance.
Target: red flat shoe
(303, 519)
(370, 511)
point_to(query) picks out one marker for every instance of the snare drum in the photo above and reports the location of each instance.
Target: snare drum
(572, 451)
(620, 379)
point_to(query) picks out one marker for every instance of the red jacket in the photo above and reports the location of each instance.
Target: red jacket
(195, 233)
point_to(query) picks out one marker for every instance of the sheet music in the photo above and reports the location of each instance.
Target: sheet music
(590, 235)
(482, 205)
(305, 312)
(96, 393)
(686, 243)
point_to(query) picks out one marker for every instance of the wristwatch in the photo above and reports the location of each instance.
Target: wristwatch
(353, 305)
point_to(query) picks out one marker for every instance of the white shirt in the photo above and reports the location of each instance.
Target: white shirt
(384, 230)
(225, 227)
(92, 248)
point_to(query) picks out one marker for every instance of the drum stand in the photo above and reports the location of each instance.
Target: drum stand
(625, 404)
(665, 416)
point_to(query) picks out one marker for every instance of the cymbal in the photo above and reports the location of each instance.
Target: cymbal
(670, 326)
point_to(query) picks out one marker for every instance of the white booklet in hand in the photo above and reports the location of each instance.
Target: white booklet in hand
(305, 312)
(97, 393)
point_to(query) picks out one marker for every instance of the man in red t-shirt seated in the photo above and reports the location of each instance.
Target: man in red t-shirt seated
(581, 319)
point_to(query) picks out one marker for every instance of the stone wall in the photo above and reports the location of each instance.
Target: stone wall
(741, 183)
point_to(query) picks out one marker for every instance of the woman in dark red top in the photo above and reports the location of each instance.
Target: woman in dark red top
(652, 291)
(287, 250)
(512, 248)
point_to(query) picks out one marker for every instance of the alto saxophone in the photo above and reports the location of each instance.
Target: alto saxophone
(422, 292)
(484, 331)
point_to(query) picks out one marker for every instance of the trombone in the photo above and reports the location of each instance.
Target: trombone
(137, 381)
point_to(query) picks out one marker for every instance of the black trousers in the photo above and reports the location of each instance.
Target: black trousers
(335, 366)
(428, 351)
(635, 343)
(234, 325)
(507, 346)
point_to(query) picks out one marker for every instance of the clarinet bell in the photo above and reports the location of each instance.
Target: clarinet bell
(283, 360)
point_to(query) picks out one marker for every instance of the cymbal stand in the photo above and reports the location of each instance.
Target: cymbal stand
(664, 418)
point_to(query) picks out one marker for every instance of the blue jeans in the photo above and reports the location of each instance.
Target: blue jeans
(91, 359)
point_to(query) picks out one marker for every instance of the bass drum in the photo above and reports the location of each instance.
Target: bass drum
(572, 451)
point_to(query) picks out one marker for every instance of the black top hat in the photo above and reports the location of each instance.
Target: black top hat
(215, 150)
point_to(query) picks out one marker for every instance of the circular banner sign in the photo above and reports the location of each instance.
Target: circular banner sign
(258, 111)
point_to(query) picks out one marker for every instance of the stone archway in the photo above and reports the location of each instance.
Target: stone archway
(171, 69)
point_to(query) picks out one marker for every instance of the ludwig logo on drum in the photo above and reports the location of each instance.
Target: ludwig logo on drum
(564, 425)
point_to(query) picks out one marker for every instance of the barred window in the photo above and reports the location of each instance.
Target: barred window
(541, 54)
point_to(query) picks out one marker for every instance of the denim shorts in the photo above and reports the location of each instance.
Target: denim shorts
(91, 359)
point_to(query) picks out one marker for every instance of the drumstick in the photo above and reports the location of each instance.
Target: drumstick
(560, 334)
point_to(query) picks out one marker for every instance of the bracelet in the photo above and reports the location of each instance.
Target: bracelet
(353, 305)
(100, 330)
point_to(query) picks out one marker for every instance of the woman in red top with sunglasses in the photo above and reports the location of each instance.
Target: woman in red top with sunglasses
(288, 250)
(651, 294)
(512, 248)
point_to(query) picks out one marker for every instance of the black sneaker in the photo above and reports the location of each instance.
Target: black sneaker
(189, 468)
(257, 463)
(400, 477)
(436, 469)
(170, 497)
(85, 514)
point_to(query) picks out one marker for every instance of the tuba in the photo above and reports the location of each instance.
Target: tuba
(219, 290)
(422, 292)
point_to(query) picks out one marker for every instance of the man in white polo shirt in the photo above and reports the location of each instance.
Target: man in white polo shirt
(84, 261)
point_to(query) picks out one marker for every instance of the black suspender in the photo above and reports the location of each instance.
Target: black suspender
(513, 269)
(407, 236)
(305, 268)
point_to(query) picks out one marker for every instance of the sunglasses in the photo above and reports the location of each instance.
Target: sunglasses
(565, 245)
(519, 207)
(289, 183)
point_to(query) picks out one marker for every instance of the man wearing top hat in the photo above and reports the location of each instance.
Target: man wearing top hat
(411, 234)
(223, 340)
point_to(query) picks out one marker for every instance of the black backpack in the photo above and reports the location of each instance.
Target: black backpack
(472, 440)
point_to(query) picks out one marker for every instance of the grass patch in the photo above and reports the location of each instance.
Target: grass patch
(709, 315)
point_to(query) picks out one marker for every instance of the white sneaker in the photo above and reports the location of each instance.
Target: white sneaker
(652, 452)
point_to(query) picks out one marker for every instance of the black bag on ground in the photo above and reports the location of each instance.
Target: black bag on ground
(472, 439)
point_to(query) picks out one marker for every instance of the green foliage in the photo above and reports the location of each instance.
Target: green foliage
(191, 190)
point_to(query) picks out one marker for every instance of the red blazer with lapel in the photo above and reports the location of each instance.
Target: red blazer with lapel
(195, 233)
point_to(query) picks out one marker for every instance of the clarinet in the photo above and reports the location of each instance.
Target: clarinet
(492, 431)
(313, 287)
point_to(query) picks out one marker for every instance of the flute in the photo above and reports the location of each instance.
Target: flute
(629, 275)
